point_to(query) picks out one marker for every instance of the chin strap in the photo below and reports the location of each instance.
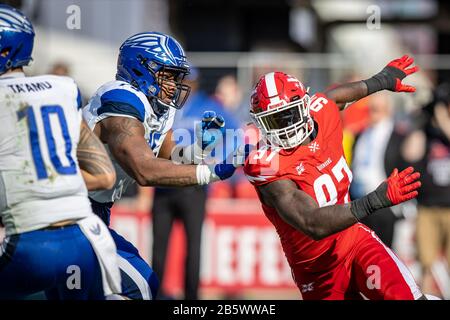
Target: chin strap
(158, 107)
(313, 133)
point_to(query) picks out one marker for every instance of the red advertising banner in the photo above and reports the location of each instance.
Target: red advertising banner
(241, 250)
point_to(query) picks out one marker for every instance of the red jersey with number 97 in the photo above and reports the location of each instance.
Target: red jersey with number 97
(318, 168)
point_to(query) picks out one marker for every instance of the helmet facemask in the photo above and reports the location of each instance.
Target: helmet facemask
(168, 89)
(286, 126)
(170, 84)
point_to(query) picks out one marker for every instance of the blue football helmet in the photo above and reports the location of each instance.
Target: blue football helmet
(16, 39)
(155, 64)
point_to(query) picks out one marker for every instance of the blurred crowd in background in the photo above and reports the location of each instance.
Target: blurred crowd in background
(214, 242)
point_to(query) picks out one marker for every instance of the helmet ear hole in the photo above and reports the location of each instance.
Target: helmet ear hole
(295, 98)
(137, 72)
(4, 53)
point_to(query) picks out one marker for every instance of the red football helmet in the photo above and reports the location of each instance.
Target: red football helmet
(280, 108)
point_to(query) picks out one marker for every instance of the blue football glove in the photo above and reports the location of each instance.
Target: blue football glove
(212, 130)
(208, 133)
(227, 168)
(210, 173)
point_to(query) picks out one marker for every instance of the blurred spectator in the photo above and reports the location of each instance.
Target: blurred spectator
(376, 154)
(229, 94)
(138, 198)
(187, 204)
(428, 149)
(60, 68)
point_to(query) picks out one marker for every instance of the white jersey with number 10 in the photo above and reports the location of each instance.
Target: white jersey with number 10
(40, 180)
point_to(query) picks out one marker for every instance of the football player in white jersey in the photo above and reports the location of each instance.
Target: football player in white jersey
(46, 150)
(133, 116)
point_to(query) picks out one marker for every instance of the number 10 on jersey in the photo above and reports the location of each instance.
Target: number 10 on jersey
(36, 134)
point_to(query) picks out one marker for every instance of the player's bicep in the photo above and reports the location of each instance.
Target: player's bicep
(345, 94)
(125, 137)
(292, 204)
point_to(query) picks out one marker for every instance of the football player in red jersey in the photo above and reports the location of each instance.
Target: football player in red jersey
(302, 179)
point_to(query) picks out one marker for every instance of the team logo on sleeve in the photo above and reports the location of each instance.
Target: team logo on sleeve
(314, 147)
(307, 287)
(259, 178)
(300, 168)
(95, 229)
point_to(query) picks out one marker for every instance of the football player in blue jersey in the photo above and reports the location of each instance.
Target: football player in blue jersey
(133, 116)
(48, 155)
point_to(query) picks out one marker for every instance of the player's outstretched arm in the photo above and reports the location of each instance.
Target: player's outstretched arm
(96, 166)
(302, 212)
(125, 139)
(390, 78)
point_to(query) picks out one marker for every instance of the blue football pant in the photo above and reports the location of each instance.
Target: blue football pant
(139, 282)
(60, 262)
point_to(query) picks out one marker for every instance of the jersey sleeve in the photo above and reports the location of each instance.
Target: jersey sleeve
(121, 102)
(262, 167)
(76, 97)
(326, 113)
(67, 83)
(320, 102)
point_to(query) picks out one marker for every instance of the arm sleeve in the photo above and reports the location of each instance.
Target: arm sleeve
(258, 171)
(122, 102)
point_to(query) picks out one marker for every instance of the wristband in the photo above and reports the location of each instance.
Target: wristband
(371, 202)
(205, 174)
(386, 79)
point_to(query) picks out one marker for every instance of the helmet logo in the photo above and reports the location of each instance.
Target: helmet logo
(16, 35)
(276, 104)
(13, 20)
(156, 44)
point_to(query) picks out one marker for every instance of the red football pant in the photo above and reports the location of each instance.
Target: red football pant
(365, 268)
